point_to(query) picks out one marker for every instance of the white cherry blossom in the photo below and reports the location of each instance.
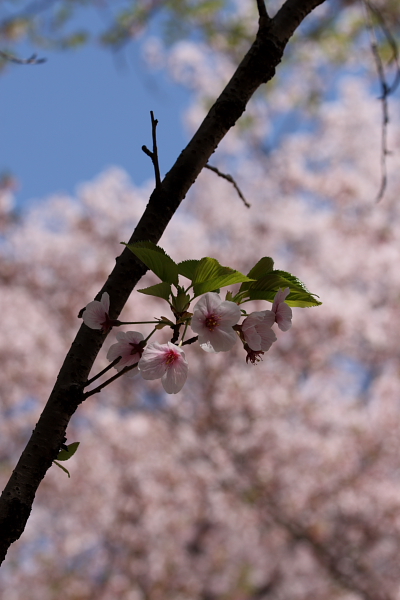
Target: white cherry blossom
(129, 347)
(283, 312)
(213, 320)
(95, 314)
(257, 332)
(165, 361)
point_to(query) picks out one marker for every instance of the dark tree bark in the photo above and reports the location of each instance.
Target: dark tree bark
(256, 68)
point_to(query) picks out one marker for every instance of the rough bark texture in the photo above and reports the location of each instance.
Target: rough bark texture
(257, 67)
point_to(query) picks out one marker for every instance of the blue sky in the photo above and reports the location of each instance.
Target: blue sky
(66, 120)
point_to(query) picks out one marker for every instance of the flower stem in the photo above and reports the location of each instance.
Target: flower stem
(138, 322)
(110, 366)
(184, 332)
(108, 381)
(150, 334)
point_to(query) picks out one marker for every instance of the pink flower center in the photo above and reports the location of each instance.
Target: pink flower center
(136, 348)
(107, 324)
(211, 322)
(170, 357)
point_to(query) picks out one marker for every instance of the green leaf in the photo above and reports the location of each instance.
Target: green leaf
(209, 268)
(295, 298)
(266, 288)
(66, 455)
(302, 299)
(213, 285)
(160, 290)
(260, 269)
(272, 281)
(156, 259)
(61, 467)
(293, 281)
(210, 276)
(187, 268)
(264, 266)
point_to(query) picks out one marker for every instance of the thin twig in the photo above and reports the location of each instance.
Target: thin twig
(386, 89)
(231, 180)
(110, 366)
(391, 41)
(32, 60)
(108, 381)
(154, 155)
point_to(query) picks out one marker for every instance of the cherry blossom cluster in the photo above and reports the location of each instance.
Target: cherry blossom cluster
(216, 323)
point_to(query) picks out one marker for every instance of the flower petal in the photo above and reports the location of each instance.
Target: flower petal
(206, 346)
(229, 313)
(105, 302)
(280, 296)
(253, 339)
(284, 317)
(267, 336)
(175, 377)
(94, 315)
(221, 340)
(152, 364)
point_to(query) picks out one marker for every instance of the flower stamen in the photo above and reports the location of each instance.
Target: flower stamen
(212, 322)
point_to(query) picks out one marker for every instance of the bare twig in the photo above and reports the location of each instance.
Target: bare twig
(154, 155)
(32, 60)
(231, 180)
(386, 89)
(390, 40)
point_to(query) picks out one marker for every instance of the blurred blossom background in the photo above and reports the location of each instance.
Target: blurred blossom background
(276, 481)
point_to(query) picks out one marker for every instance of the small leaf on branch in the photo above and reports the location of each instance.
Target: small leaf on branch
(157, 260)
(159, 290)
(67, 454)
(164, 322)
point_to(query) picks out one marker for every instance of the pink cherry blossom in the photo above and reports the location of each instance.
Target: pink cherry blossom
(257, 332)
(165, 361)
(96, 316)
(129, 347)
(213, 321)
(283, 312)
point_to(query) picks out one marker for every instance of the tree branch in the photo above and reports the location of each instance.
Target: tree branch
(256, 68)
